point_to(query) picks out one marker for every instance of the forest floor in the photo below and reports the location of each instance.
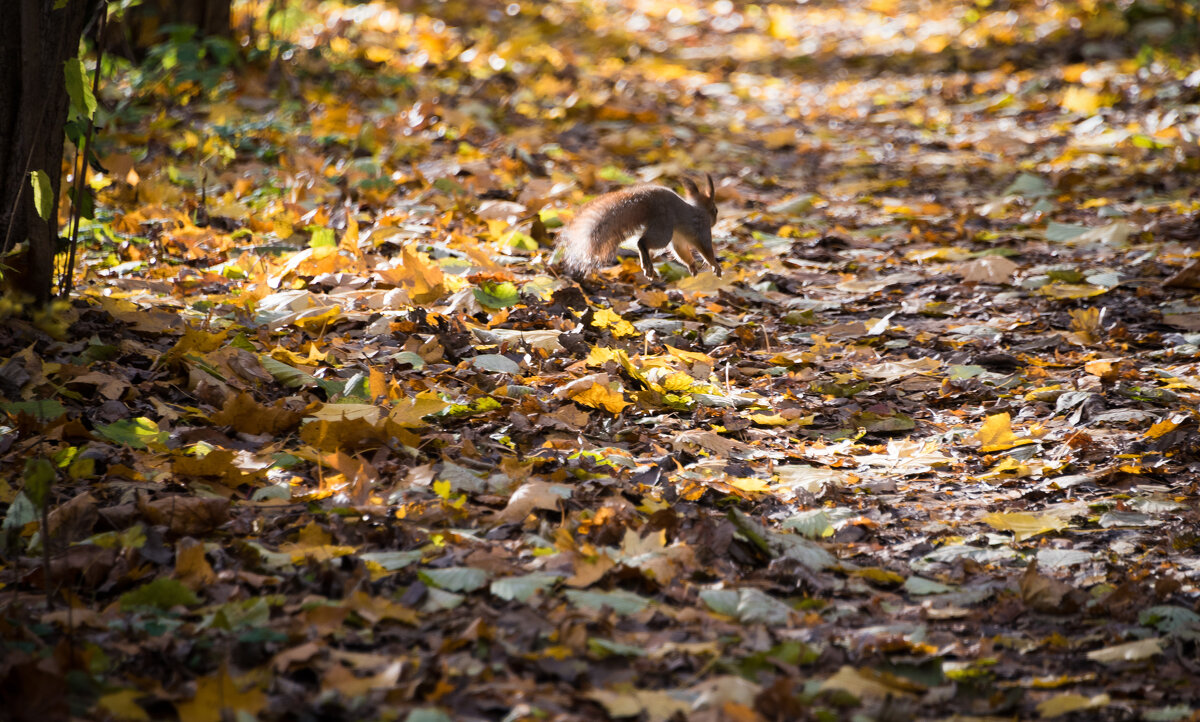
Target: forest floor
(324, 432)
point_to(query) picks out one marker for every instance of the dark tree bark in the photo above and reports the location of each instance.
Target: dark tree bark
(35, 42)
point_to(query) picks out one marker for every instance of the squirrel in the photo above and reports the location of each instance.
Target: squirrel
(661, 216)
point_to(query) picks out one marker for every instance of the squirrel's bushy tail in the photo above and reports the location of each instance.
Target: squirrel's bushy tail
(591, 239)
(659, 215)
(579, 256)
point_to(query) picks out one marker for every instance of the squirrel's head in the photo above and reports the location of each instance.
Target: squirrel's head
(707, 201)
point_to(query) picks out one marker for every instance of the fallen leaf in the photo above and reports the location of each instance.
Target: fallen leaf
(1128, 652)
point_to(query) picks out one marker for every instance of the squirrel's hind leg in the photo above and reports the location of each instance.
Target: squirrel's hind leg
(654, 237)
(683, 251)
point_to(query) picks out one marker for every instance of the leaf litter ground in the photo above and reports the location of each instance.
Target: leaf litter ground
(333, 439)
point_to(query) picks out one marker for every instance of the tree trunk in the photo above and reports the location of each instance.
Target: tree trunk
(35, 42)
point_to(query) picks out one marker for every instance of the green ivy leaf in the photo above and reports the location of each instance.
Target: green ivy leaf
(613, 173)
(20, 513)
(497, 295)
(322, 237)
(523, 587)
(619, 600)
(82, 101)
(39, 475)
(40, 409)
(161, 593)
(43, 194)
(287, 374)
(454, 579)
(139, 433)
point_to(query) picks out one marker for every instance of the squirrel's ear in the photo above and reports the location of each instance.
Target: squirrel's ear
(712, 192)
(692, 190)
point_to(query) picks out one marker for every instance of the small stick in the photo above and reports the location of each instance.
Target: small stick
(81, 158)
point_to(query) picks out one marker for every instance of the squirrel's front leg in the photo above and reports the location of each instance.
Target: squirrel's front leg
(644, 255)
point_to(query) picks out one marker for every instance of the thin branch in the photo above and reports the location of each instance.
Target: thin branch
(81, 159)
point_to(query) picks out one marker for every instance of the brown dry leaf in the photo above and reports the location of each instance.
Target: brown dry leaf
(191, 567)
(529, 496)
(218, 462)
(74, 520)
(728, 693)
(108, 386)
(247, 416)
(349, 434)
(989, 269)
(1186, 277)
(376, 609)
(589, 571)
(657, 706)
(360, 475)
(712, 442)
(345, 682)
(652, 555)
(572, 418)
(299, 654)
(313, 541)
(238, 366)
(185, 515)
(83, 564)
(1048, 595)
(145, 320)
(864, 683)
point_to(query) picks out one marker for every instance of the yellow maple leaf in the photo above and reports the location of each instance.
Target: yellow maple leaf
(1162, 428)
(705, 282)
(219, 692)
(690, 357)
(633, 545)
(601, 397)
(600, 355)
(410, 412)
(123, 705)
(1071, 290)
(1081, 100)
(677, 382)
(1024, 525)
(778, 420)
(609, 319)
(318, 319)
(879, 575)
(1006, 469)
(1061, 704)
(425, 277)
(748, 484)
(996, 434)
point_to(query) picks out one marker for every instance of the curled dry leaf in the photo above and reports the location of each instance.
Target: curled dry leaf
(529, 496)
(185, 515)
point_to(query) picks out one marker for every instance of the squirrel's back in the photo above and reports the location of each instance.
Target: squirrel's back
(591, 239)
